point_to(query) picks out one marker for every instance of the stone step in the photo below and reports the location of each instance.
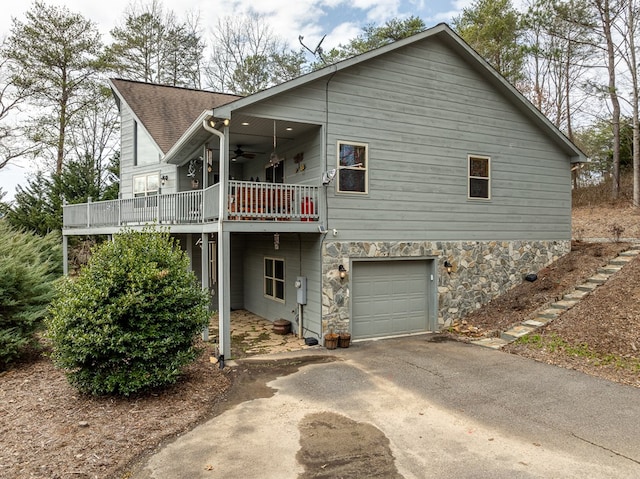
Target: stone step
(632, 253)
(564, 304)
(575, 296)
(542, 320)
(549, 314)
(516, 332)
(536, 322)
(609, 269)
(587, 287)
(492, 343)
(621, 260)
(599, 278)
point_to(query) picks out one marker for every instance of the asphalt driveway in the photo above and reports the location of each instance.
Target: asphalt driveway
(416, 408)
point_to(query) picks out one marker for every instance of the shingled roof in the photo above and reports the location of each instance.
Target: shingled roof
(165, 111)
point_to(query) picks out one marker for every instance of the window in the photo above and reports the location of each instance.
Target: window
(146, 185)
(479, 177)
(352, 167)
(274, 279)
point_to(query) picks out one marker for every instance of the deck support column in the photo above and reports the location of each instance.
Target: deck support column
(224, 246)
(65, 255)
(204, 263)
(224, 293)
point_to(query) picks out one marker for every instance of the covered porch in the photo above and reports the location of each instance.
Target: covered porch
(253, 335)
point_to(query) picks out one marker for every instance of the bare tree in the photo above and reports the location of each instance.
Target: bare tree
(608, 12)
(248, 57)
(627, 29)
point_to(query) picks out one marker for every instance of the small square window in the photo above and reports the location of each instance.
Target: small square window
(479, 177)
(274, 279)
(353, 164)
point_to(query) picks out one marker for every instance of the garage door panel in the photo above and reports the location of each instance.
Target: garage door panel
(389, 298)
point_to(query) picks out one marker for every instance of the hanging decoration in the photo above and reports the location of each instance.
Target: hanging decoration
(274, 159)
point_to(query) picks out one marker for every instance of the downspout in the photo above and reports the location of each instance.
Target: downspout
(222, 193)
(224, 274)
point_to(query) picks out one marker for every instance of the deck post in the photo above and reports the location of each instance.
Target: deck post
(204, 238)
(65, 255)
(224, 293)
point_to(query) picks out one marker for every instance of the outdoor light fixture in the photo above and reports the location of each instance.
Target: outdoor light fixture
(213, 122)
(449, 266)
(164, 179)
(276, 241)
(342, 271)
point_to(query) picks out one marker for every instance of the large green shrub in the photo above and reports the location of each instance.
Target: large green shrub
(29, 265)
(128, 322)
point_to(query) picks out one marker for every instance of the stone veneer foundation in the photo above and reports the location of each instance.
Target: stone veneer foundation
(482, 270)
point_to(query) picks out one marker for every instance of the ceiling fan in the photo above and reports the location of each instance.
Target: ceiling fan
(240, 153)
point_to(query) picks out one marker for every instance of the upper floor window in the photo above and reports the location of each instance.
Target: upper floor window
(353, 163)
(274, 278)
(479, 177)
(146, 185)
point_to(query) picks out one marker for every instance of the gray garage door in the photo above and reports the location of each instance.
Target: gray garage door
(389, 298)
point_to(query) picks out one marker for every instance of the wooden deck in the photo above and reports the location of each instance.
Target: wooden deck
(247, 201)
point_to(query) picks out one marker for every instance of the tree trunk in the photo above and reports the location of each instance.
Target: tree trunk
(605, 16)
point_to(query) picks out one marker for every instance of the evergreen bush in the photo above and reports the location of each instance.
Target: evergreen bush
(128, 322)
(29, 266)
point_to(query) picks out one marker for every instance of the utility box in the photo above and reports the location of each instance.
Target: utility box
(301, 289)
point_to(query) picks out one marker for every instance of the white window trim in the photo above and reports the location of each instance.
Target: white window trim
(469, 177)
(147, 191)
(274, 279)
(366, 168)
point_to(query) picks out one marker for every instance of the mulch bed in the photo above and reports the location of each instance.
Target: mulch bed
(51, 431)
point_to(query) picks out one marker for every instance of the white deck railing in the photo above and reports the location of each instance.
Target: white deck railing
(268, 201)
(247, 201)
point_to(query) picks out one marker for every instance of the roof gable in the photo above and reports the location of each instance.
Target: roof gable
(166, 112)
(443, 32)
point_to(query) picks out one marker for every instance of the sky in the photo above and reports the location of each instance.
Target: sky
(339, 20)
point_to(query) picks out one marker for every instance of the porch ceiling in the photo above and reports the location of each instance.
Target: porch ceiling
(253, 134)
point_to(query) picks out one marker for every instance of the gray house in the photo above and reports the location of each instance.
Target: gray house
(385, 195)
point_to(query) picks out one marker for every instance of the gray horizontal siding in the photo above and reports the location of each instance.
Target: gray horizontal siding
(302, 258)
(422, 111)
